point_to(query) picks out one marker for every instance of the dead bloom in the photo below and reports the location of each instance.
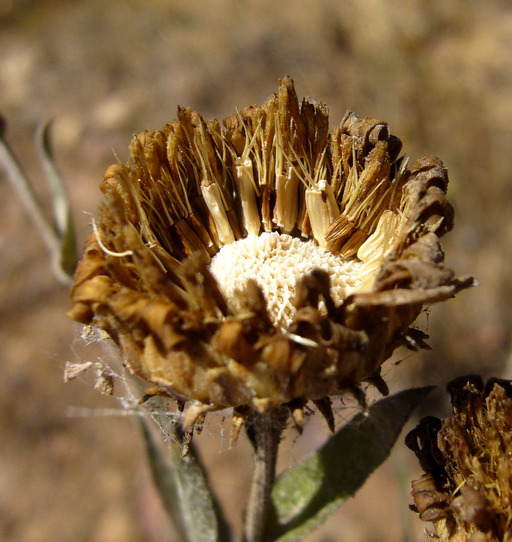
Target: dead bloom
(467, 489)
(267, 263)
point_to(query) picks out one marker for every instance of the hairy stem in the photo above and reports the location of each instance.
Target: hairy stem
(264, 432)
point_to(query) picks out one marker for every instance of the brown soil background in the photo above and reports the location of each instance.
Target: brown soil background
(439, 72)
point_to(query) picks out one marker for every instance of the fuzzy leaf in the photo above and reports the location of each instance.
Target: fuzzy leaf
(306, 495)
(184, 489)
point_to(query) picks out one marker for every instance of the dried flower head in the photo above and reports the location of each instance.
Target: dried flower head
(467, 489)
(268, 263)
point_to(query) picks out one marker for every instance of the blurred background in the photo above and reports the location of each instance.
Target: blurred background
(439, 72)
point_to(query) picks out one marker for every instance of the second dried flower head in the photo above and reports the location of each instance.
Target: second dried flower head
(466, 491)
(267, 263)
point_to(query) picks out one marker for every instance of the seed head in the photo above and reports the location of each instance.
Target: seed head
(268, 263)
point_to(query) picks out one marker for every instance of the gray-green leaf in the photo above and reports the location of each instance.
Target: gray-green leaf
(306, 495)
(184, 490)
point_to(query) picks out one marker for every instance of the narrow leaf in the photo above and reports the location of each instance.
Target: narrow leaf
(21, 184)
(62, 214)
(183, 488)
(57, 232)
(306, 495)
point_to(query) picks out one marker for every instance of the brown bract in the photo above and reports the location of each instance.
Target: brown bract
(193, 188)
(467, 489)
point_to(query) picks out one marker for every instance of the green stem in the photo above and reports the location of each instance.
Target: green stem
(264, 433)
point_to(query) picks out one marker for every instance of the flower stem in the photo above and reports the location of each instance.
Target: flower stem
(264, 433)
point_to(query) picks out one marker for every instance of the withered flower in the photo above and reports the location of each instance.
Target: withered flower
(267, 263)
(467, 489)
